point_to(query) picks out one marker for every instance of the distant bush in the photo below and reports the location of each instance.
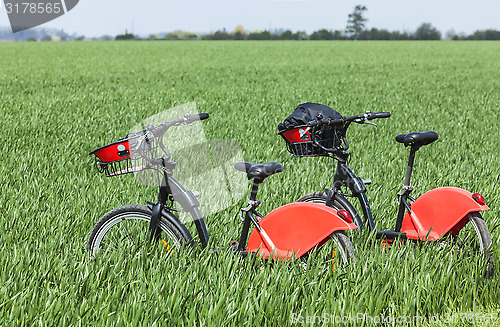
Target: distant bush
(125, 37)
(486, 35)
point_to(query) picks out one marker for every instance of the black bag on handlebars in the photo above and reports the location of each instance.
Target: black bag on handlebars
(298, 137)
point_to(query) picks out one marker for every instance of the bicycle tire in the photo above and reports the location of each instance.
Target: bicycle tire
(319, 197)
(483, 240)
(340, 238)
(345, 246)
(326, 253)
(136, 235)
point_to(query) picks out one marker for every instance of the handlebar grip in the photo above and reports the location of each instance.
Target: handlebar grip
(203, 116)
(379, 115)
(192, 118)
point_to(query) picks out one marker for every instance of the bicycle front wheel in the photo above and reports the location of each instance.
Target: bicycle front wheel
(336, 253)
(125, 230)
(318, 197)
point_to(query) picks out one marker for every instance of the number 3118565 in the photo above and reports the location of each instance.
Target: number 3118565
(33, 8)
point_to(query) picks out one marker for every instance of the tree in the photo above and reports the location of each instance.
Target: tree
(219, 35)
(491, 35)
(288, 35)
(238, 36)
(266, 35)
(427, 32)
(322, 35)
(240, 29)
(171, 36)
(376, 34)
(238, 33)
(125, 37)
(484, 35)
(302, 35)
(356, 22)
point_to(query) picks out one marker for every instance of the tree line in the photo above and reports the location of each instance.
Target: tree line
(425, 32)
(355, 30)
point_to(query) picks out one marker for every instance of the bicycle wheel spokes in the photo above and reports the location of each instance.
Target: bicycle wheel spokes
(472, 241)
(126, 236)
(125, 230)
(333, 255)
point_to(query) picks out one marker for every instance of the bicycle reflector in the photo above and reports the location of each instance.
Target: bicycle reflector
(345, 215)
(479, 198)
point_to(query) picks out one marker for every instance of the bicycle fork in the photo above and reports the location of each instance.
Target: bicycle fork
(163, 194)
(171, 188)
(344, 176)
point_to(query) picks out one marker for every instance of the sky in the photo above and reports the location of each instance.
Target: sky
(93, 18)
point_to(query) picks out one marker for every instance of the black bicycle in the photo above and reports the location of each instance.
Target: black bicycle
(128, 228)
(447, 215)
(284, 234)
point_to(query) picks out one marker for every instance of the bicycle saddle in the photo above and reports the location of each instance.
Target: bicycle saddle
(417, 138)
(259, 171)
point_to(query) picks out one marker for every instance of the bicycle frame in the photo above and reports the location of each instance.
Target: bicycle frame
(416, 219)
(170, 187)
(344, 176)
(249, 218)
(121, 157)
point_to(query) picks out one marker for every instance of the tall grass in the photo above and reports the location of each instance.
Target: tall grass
(59, 101)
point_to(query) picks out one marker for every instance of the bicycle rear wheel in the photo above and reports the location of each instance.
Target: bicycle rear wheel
(125, 230)
(474, 239)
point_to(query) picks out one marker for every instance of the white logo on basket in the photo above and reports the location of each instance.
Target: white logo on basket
(303, 134)
(121, 147)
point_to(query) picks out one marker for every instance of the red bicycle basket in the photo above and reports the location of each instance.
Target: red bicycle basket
(299, 142)
(117, 158)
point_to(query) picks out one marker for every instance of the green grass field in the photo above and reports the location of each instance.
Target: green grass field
(58, 101)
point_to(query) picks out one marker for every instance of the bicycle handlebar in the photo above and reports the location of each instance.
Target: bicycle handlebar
(321, 122)
(358, 118)
(159, 130)
(187, 119)
(345, 121)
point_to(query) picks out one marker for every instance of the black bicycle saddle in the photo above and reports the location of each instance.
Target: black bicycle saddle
(259, 171)
(417, 138)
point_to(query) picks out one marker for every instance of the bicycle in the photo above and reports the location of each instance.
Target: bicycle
(283, 234)
(437, 216)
